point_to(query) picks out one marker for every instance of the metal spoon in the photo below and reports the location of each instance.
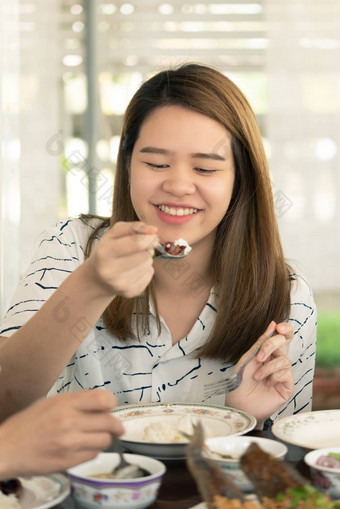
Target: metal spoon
(160, 251)
(124, 469)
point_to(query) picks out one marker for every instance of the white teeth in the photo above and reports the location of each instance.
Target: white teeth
(177, 212)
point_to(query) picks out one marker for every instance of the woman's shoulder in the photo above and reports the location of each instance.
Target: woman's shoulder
(82, 224)
(71, 230)
(303, 312)
(301, 290)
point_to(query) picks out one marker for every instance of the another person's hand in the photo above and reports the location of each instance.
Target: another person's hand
(267, 380)
(122, 263)
(58, 432)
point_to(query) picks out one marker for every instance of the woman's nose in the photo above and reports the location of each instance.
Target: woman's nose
(179, 182)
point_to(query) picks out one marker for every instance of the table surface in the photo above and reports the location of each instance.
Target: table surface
(179, 490)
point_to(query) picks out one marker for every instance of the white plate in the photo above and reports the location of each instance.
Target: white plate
(42, 492)
(216, 420)
(312, 430)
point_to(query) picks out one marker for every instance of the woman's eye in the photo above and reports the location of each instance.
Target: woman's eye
(157, 166)
(204, 172)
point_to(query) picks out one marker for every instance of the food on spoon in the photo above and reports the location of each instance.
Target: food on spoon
(179, 247)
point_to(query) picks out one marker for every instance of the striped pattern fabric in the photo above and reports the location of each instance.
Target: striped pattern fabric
(152, 370)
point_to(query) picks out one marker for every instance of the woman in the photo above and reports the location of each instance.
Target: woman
(191, 165)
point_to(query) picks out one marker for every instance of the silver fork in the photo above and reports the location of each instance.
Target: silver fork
(231, 383)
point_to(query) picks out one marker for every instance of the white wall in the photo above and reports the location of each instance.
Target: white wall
(10, 149)
(30, 108)
(303, 66)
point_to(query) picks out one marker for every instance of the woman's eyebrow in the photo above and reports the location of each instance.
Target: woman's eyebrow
(197, 155)
(209, 155)
(155, 150)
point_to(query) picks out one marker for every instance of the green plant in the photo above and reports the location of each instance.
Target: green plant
(328, 339)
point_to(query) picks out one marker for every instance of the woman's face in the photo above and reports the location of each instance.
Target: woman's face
(182, 174)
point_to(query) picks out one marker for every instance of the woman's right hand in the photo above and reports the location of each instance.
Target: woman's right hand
(122, 263)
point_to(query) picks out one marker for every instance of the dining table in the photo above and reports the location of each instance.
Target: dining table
(178, 489)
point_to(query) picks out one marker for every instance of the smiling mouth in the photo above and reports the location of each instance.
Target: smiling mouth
(177, 212)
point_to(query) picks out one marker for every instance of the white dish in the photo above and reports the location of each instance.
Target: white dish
(312, 430)
(42, 492)
(324, 478)
(216, 420)
(233, 448)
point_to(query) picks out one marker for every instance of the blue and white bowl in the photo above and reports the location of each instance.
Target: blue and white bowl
(94, 493)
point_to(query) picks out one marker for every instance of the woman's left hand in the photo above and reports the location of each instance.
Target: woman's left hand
(267, 380)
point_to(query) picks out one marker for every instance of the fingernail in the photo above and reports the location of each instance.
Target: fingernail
(271, 325)
(260, 356)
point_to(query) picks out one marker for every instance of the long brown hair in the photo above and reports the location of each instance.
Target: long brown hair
(248, 265)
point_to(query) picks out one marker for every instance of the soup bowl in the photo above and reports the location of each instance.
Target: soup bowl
(93, 492)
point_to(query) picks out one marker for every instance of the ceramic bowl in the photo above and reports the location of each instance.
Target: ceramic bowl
(97, 493)
(324, 478)
(234, 447)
